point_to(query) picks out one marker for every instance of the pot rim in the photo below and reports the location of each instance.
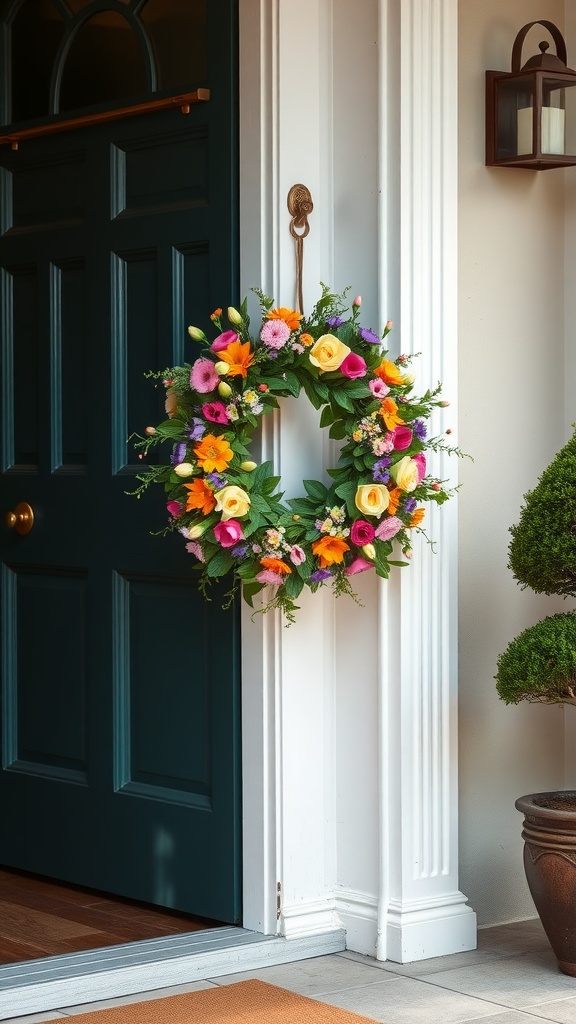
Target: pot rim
(530, 804)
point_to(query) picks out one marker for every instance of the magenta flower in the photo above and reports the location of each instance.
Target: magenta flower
(402, 438)
(388, 528)
(223, 340)
(378, 388)
(174, 508)
(297, 555)
(358, 565)
(275, 333)
(353, 366)
(420, 461)
(361, 532)
(274, 579)
(203, 376)
(228, 533)
(215, 412)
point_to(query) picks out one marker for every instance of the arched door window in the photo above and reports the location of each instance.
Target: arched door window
(60, 56)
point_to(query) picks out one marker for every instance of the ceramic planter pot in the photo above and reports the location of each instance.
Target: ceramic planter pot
(549, 835)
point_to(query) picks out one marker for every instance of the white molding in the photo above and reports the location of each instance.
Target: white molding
(421, 908)
(311, 918)
(358, 912)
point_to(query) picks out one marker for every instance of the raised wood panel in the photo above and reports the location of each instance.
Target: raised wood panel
(48, 193)
(45, 703)
(20, 363)
(164, 691)
(160, 173)
(190, 285)
(69, 366)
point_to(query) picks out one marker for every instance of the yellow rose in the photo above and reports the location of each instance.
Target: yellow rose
(405, 473)
(232, 502)
(328, 353)
(372, 499)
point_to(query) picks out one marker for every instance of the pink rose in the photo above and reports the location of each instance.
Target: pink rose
(228, 533)
(274, 579)
(174, 508)
(378, 388)
(223, 340)
(353, 366)
(420, 461)
(215, 412)
(402, 438)
(361, 532)
(388, 528)
(358, 565)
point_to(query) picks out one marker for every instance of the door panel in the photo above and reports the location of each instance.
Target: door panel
(120, 691)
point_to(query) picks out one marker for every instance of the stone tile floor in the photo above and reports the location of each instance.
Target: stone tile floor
(512, 978)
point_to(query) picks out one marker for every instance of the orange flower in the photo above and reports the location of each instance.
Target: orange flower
(239, 358)
(201, 496)
(213, 453)
(216, 314)
(388, 412)
(306, 339)
(417, 517)
(394, 503)
(330, 550)
(275, 565)
(289, 316)
(389, 373)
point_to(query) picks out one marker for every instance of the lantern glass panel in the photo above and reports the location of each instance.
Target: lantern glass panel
(569, 104)
(514, 116)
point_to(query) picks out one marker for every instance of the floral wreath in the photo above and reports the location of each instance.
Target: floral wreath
(228, 508)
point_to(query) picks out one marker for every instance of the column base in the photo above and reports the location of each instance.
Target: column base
(423, 931)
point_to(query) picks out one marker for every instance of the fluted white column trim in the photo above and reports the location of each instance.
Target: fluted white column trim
(422, 913)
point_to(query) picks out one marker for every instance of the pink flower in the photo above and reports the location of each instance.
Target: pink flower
(358, 565)
(267, 576)
(215, 412)
(223, 340)
(275, 333)
(378, 388)
(357, 301)
(402, 438)
(420, 461)
(203, 376)
(174, 508)
(194, 548)
(361, 532)
(353, 366)
(388, 528)
(228, 533)
(297, 555)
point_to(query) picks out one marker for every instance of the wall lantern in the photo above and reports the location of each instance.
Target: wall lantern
(531, 111)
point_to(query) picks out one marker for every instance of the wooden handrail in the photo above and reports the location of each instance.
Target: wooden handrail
(184, 101)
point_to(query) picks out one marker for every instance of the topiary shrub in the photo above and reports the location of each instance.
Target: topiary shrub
(540, 664)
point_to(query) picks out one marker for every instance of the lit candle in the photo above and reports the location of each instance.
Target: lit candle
(552, 130)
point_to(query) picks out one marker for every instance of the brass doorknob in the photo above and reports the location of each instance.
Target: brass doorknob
(21, 519)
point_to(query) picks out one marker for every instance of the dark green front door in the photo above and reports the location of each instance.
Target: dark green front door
(120, 685)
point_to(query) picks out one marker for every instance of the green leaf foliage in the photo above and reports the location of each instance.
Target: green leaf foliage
(540, 663)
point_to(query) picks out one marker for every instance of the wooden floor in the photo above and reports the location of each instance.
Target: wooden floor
(39, 918)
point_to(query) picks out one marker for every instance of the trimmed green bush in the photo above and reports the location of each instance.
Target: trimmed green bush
(540, 664)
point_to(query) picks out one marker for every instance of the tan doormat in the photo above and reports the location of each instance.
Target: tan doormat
(246, 1002)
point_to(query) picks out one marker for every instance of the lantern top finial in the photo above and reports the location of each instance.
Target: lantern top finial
(542, 61)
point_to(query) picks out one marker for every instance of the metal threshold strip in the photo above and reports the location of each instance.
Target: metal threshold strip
(37, 986)
(184, 101)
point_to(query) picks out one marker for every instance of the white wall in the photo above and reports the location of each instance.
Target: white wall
(511, 239)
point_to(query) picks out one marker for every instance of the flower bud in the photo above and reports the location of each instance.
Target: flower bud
(196, 334)
(150, 431)
(370, 551)
(357, 301)
(221, 368)
(234, 316)
(196, 531)
(389, 325)
(184, 469)
(248, 466)
(444, 404)
(224, 389)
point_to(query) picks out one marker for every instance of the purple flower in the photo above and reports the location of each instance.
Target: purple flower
(203, 376)
(197, 429)
(380, 471)
(178, 454)
(410, 504)
(215, 412)
(217, 481)
(240, 550)
(275, 333)
(420, 429)
(319, 575)
(335, 321)
(369, 336)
